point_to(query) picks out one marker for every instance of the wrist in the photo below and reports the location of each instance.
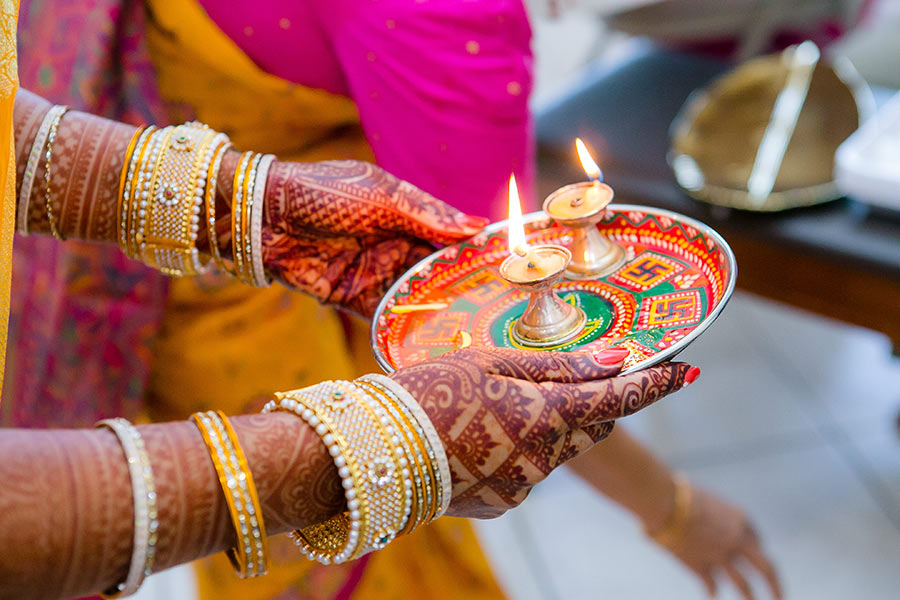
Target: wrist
(672, 529)
(654, 515)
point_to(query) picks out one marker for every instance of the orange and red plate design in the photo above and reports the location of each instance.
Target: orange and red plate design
(676, 279)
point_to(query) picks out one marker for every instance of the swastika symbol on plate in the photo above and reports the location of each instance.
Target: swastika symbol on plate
(480, 287)
(440, 329)
(646, 271)
(669, 310)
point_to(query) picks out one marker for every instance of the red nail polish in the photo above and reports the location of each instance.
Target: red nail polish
(610, 357)
(691, 376)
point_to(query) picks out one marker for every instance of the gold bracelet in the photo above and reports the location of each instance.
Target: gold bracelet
(674, 530)
(136, 192)
(436, 455)
(363, 442)
(251, 556)
(212, 178)
(51, 137)
(422, 475)
(34, 158)
(237, 200)
(168, 241)
(126, 179)
(148, 168)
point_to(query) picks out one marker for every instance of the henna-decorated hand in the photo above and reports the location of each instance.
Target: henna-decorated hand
(508, 417)
(343, 231)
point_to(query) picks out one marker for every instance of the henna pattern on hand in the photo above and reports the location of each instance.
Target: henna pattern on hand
(508, 418)
(343, 231)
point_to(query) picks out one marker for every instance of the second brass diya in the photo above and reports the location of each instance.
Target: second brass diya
(547, 320)
(580, 207)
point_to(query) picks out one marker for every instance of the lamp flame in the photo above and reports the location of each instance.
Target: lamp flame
(516, 225)
(587, 161)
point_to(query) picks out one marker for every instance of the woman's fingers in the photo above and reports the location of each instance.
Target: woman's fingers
(422, 215)
(354, 198)
(561, 367)
(709, 581)
(754, 555)
(740, 582)
(582, 404)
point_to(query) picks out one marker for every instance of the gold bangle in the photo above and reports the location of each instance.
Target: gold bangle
(237, 199)
(209, 199)
(371, 462)
(34, 158)
(137, 187)
(250, 557)
(48, 157)
(246, 248)
(422, 475)
(674, 530)
(169, 237)
(123, 177)
(436, 455)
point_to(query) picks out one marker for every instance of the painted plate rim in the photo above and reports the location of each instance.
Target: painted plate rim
(662, 356)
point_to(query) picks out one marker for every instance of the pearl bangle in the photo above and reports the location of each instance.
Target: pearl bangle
(146, 522)
(424, 481)
(255, 208)
(437, 452)
(371, 460)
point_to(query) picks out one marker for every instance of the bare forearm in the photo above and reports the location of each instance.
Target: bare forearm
(628, 473)
(66, 512)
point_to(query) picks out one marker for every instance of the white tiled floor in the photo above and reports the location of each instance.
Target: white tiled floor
(793, 418)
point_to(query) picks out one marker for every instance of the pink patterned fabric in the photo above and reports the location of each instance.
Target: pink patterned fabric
(442, 86)
(83, 317)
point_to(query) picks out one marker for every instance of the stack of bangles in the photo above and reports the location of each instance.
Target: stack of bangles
(389, 457)
(168, 185)
(167, 190)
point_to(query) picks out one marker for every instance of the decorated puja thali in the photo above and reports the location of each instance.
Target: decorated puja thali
(673, 279)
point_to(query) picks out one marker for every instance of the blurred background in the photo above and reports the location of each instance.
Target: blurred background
(795, 416)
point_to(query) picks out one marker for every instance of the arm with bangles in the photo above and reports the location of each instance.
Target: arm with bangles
(66, 512)
(341, 231)
(66, 507)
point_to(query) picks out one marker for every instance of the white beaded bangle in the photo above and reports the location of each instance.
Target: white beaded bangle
(146, 522)
(431, 434)
(420, 465)
(129, 190)
(34, 158)
(256, 206)
(146, 177)
(366, 450)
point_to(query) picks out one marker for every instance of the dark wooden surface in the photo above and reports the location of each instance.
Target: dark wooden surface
(840, 259)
